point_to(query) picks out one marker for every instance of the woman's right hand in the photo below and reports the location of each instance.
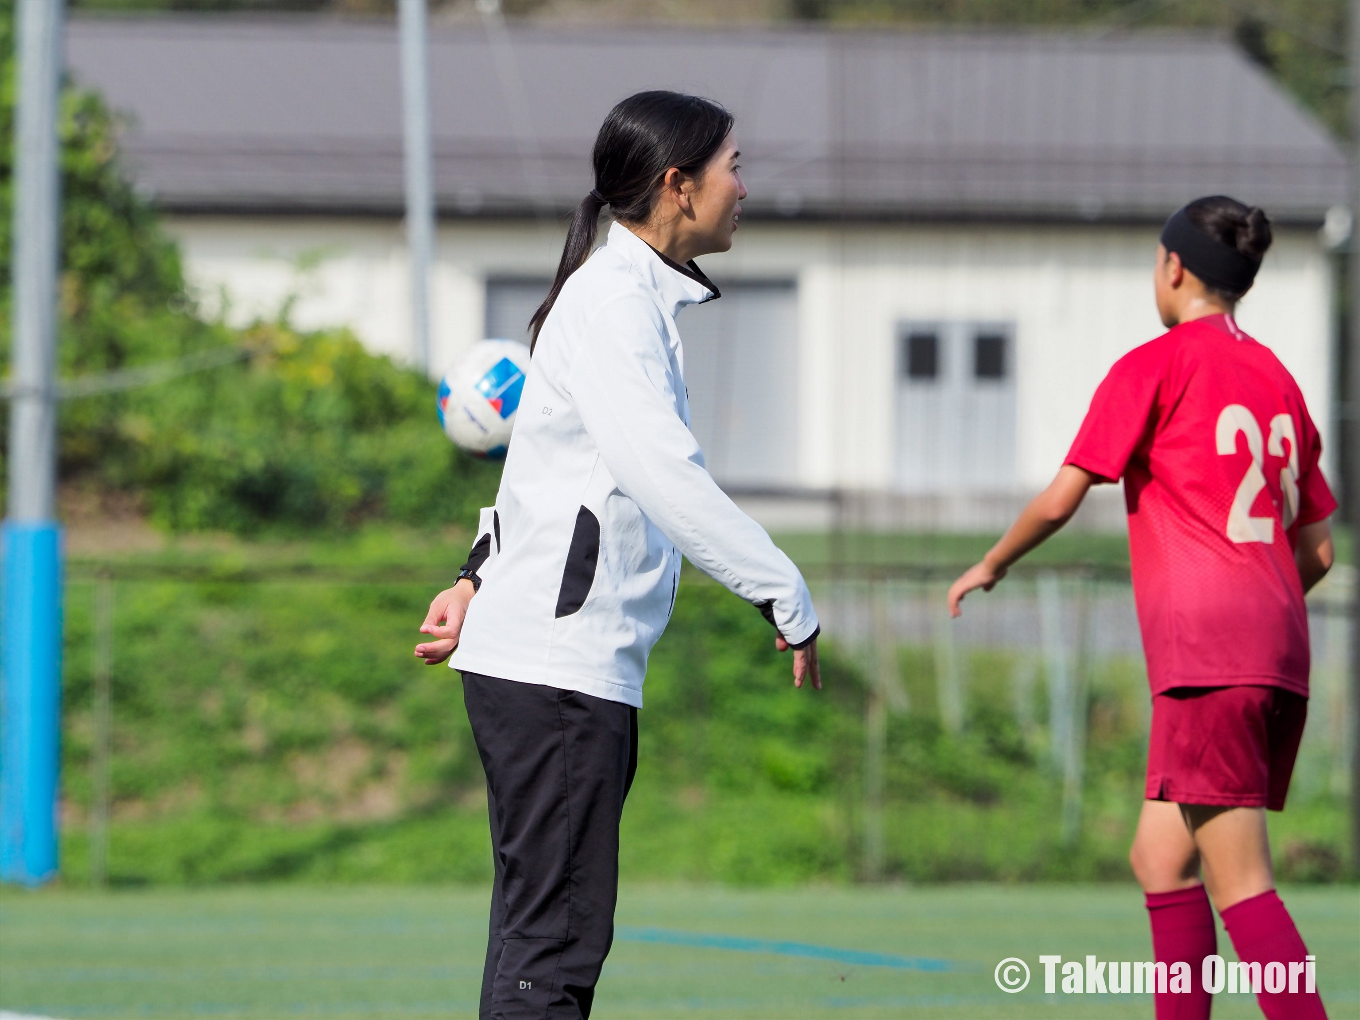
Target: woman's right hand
(805, 664)
(444, 622)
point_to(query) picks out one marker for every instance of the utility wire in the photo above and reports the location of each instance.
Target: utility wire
(135, 378)
(1128, 16)
(517, 103)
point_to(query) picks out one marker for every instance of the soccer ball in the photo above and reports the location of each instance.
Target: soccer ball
(478, 397)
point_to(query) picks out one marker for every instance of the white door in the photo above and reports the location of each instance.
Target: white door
(741, 370)
(955, 408)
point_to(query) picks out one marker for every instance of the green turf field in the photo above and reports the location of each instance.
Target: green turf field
(681, 951)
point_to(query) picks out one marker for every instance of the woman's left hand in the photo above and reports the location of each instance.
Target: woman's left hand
(444, 622)
(805, 664)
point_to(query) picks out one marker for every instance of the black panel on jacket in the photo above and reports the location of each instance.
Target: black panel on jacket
(478, 555)
(767, 610)
(579, 574)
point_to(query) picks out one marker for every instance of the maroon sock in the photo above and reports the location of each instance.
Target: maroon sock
(1183, 929)
(1263, 932)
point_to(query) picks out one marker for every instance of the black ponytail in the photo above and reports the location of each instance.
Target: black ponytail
(580, 241)
(642, 138)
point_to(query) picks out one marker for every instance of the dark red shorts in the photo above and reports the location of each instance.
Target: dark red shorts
(1224, 745)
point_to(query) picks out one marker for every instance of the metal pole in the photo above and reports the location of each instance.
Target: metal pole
(103, 730)
(30, 609)
(949, 678)
(1353, 422)
(1064, 673)
(886, 694)
(1074, 767)
(415, 91)
(876, 731)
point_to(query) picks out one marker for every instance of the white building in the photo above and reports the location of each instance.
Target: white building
(948, 239)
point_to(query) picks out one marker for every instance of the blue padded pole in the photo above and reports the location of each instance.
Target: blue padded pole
(30, 710)
(30, 605)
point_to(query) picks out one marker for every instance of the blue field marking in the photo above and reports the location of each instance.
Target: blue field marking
(736, 944)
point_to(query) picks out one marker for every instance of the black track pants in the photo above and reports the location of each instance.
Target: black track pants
(558, 767)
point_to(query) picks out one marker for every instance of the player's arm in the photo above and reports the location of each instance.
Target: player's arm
(1314, 553)
(1044, 515)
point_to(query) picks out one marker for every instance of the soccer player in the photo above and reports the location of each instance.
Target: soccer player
(573, 575)
(1228, 529)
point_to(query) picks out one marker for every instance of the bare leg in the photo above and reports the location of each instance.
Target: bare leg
(1166, 862)
(1234, 849)
(1232, 842)
(1164, 855)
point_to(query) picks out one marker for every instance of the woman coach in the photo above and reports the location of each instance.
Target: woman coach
(574, 572)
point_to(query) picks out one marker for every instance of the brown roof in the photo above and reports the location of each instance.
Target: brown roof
(303, 113)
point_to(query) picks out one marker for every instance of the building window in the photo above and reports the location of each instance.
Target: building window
(956, 407)
(921, 356)
(989, 356)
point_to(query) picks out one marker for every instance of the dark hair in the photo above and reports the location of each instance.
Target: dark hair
(642, 138)
(1235, 224)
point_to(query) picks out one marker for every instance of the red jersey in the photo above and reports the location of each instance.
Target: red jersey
(1220, 465)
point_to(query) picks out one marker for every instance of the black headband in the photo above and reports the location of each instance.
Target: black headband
(1211, 260)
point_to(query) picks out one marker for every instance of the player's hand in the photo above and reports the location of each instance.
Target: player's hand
(981, 576)
(444, 622)
(804, 662)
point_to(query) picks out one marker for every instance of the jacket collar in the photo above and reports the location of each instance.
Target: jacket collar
(677, 285)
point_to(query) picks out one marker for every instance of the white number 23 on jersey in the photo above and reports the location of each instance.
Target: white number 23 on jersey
(1242, 526)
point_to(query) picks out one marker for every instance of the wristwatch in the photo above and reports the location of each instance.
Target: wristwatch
(471, 576)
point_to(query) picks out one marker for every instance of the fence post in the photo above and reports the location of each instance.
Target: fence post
(885, 693)
(948, 676)
(1065, 673)
(1057, 680)
(1023, 674)
(1329, 617)
(103, 725)
(875, 739)
(1074, 768)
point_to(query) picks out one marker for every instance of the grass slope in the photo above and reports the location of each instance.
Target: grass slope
(271, 724)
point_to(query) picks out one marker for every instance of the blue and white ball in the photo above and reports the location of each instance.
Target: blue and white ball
(479, 396)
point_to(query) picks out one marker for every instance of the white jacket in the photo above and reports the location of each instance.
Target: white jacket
(604, 487)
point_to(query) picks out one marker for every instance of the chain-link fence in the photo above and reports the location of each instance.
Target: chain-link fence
(1055, 652)
(1050, 647)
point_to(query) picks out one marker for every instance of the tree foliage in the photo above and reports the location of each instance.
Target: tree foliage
(310, 431)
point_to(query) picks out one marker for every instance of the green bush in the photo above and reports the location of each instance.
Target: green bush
(312, 432)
